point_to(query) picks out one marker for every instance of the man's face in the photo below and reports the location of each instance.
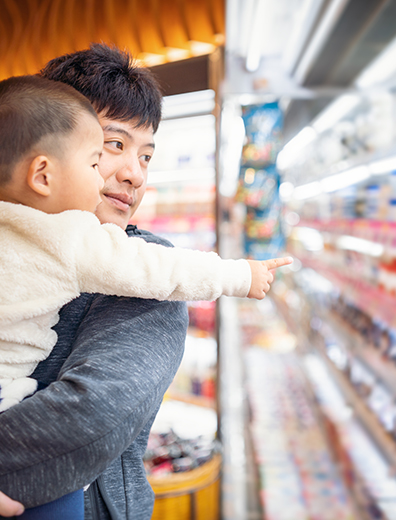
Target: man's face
(123, 165)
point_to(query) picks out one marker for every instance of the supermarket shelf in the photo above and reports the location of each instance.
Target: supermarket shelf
(383, 440)
(377, 303)
(293, 450)
(383, 232)
(382, 369)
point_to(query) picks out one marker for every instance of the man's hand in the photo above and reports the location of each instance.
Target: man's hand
(262, 276)
(9, 507)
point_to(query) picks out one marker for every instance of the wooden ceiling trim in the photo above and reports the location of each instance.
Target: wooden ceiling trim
(133, 27)
(14, 33)
(75, 17)
(27, 50)
(147, 27)
(199, 21)
(41, 50)
(55, 33)
(183, 18)
(111, 15)
(35, 31)
(127, 36)
(173, 25)
(217, 13)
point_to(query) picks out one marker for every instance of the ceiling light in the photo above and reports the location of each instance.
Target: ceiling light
(336, 111)
(201, 48)
(191, 103)
(380, 70)
(345, 179)
(256, 36)
(305, 19)
(306, 191)
(288, 155)
(383, 166)
(151, 60)
(332, 183)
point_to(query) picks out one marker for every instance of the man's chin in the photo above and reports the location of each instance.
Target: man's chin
(108, 215)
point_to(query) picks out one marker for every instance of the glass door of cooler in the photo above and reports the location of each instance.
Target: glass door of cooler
(179, 205)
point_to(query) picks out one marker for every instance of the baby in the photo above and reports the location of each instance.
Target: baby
(52, 247)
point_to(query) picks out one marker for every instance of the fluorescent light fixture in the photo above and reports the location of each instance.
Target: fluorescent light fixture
(288, 155)
(332, 183)
(304, 20)
(306, 191)
(360, 245)
(304, 137)
(192, 103)
(380, 70)
(201, 48)
(345, 179)
(383, 166)
(256, 36)
(336, 111)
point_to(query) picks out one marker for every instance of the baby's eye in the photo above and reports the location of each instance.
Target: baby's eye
(95, 165)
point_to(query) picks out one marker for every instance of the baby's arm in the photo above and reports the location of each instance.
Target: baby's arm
(262, 276)
(112, 263)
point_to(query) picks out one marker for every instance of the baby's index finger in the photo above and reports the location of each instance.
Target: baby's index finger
(278, 262)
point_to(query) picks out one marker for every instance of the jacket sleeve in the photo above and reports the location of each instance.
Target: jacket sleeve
(125, 355)
(109, 262)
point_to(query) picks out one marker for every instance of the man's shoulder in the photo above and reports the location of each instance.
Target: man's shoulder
(134, 231)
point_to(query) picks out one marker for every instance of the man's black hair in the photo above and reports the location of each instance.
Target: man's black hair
(32, 109)
(108, 77)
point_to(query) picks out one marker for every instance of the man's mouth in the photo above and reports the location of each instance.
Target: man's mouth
(119, 200)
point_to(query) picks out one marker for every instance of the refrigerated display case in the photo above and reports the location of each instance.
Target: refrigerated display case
(341, 229)
(183, 458)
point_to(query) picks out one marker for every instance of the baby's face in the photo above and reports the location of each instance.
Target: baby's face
(78, 180)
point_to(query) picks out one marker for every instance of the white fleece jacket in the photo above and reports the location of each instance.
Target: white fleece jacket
(47, 260)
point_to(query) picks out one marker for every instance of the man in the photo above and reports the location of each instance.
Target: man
(9, 507)
(115, 357)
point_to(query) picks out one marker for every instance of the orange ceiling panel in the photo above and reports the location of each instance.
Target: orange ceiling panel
(154, 31)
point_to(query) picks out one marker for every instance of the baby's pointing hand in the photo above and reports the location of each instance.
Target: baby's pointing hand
(262, 276)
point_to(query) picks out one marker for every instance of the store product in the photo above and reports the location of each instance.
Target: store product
(196, 377)
(258, 187)
(169, 453)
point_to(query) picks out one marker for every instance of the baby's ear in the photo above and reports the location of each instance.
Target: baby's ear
(39, 175)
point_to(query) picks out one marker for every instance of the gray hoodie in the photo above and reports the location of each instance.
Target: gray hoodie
(113, 362)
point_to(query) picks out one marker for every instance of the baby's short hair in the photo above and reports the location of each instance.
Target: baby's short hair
(33, 108)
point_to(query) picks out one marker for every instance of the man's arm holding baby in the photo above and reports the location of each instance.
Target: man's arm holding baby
(8, 507)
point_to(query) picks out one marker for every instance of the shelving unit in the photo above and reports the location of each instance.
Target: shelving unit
(352, 423)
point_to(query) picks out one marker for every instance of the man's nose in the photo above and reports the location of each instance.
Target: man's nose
(131, 172)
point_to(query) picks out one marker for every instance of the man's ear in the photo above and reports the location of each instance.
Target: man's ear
(39, 175)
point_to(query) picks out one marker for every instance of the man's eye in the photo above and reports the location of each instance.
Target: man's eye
(116, 144)
(146, 158)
